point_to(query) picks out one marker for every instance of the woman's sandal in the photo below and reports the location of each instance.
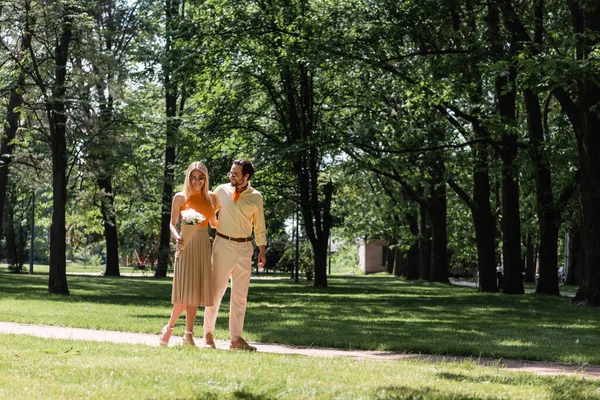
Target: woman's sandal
(187, 339)
(165, 335)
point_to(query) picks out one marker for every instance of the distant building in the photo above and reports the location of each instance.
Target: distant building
(372, 255)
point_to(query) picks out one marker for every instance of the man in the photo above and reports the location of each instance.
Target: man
(240, 208)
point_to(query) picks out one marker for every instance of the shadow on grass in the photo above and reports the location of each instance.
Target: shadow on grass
(93, 289)
(377, 312)
(382, 313)
(514, 379)
(245, 395)
(557, 387)
(238, 394)
(408, 393)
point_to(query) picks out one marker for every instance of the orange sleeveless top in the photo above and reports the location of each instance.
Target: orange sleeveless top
(198, 202)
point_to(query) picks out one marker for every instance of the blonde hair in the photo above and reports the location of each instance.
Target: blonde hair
(187, 186)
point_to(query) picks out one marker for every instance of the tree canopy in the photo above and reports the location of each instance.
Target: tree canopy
(464, 133)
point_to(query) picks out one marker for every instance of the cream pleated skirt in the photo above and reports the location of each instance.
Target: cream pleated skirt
(192, 277)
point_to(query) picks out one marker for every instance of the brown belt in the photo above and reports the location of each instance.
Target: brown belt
(241, 240)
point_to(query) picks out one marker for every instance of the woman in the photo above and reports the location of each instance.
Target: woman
(192, 280)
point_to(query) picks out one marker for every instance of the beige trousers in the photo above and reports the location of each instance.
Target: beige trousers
(230, 260)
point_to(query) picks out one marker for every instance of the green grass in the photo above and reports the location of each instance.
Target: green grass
(75, 268)
(562, 287)
(357, 312)
(36, 368)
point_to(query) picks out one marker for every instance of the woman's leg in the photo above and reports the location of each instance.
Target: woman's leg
(190, 319)
(175, 313)
(167, 330)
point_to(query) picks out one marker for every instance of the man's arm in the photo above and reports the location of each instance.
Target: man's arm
(260, 232)
(215, 204)
(262, 256)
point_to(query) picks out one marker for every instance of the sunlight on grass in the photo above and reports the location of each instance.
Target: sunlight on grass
(36, 368)
(515, 343)
(362, 312)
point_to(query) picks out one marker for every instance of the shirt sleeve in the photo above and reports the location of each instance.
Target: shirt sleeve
(217, 204)
(260, 230)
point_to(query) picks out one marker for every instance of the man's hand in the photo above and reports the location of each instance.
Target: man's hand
(262, 257)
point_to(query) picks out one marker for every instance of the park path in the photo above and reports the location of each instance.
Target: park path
(59, 332)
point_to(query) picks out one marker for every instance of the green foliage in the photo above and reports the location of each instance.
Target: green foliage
(344, 260)
(394, 88)
(306, 265)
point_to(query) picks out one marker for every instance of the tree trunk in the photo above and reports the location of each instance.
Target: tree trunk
(400, 264)
(320, 258)
(322, 235)
(10, 234)
(511, 222)
(439, 241)
(391, 254)
(506, 104)
(547, 215)
(479, 204)
(106, 14)
(57, 118)
(574, 272)
(13, 116)
(167, 196)
(107, 209)
(412, 267)
(529, 261)
(484, 222)
(171, 95)
(586, 19)
(298, 93)
(589, 291)
(424, 243)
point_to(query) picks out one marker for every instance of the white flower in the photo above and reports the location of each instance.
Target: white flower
(191, 217)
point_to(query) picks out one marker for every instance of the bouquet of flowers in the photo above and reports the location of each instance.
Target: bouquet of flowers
(191, 217)
(189, 226)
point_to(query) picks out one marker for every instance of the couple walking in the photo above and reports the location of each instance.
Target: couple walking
(201, 275)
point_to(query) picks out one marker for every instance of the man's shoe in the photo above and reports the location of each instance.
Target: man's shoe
(209, 341)
(241, 344)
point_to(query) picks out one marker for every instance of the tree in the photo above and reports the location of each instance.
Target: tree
(15, 100)
(57, 123)
(586, 122)
(175, 98)
(281, 99)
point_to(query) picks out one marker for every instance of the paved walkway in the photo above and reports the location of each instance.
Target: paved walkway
(56, 332)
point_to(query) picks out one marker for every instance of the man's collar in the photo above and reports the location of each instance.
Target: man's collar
(247, 188)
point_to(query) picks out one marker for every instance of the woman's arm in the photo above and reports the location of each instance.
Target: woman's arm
(178, 201)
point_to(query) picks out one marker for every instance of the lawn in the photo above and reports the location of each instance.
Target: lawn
(78, 268)
(35, 368)
(377, 312)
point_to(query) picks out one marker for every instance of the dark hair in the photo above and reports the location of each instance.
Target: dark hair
(247, 168)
